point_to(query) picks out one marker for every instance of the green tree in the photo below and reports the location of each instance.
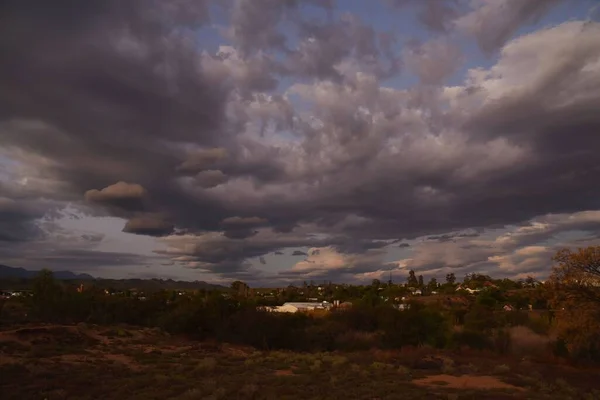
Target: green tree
(432, 285)
(240, 289)
(530, 282)
(420, 282)
(451, 278)
(412, 279)
(46, 296)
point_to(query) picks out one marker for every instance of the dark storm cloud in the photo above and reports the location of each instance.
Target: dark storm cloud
(19, 220)
(209, 179)
(404, 245)
(325, 45)
(151, 225)
(220, 254)
(121, 195)
(299, 253)
(73, 260)
(242, 227)
(452, 236)
(121, 104)
(114, 87)
(358, 246)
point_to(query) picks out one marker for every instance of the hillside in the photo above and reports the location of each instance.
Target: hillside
(22, 273)
(20, 278)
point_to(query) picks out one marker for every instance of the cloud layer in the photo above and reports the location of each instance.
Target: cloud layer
(286, 129)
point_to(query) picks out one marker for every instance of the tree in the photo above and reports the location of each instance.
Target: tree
(421, 283)
(412, 279)
(240, 289)
(451, 278)
(530, 281)
(432, 285)
(574, 292)
(46, 295)
(578, 273)
(376, 283)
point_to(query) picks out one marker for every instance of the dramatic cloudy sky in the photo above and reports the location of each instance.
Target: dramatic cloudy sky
(278, 141)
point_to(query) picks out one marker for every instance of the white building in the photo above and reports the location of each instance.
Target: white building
(293, 307)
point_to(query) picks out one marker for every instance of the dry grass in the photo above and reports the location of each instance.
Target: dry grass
(143, 364)
(525, 342)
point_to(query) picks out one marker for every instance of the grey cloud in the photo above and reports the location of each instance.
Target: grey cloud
(93, 237)
(436, 15)
(151, 225)
(240, 233)
(278, 253)
(433, 61)
(121, 195)
(19, 219)
(299, 253)
(262, 260)
(130, 92)
(453, 236)
(104, 93)
(404, 245)
(254, 23)
(242, 227)
(244, 221)
(209, 179)
(493, 22)
(59, 250)
(223, 255)
(325, 46)
(202, 159)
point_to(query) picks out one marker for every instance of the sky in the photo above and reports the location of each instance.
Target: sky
(282, 141)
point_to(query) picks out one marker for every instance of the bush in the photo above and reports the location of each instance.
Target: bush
(502, 341)
(414, 327)
(469, 338)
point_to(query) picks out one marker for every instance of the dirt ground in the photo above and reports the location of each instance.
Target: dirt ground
(465, 382)
(91, 362)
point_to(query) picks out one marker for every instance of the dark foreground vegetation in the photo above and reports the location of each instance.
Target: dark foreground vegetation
(86, 362)
(367, 350)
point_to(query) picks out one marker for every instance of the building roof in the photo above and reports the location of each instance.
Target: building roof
(303, 304)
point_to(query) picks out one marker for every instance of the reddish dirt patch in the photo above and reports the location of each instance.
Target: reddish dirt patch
(284, 372)
(465, 382)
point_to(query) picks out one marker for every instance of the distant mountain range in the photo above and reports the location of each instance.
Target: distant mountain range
(22, 273)
(11, 273)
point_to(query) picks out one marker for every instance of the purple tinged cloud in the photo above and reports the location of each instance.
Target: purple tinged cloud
(301, 129)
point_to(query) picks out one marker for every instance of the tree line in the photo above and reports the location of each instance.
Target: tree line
(570, 296)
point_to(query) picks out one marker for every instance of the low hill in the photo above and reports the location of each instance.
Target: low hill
(22, 273)
(20, 278)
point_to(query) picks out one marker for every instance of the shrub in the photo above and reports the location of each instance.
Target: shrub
(473, 339)
(206, 364)
(524, 341)
(501, 369)
(502, 341)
